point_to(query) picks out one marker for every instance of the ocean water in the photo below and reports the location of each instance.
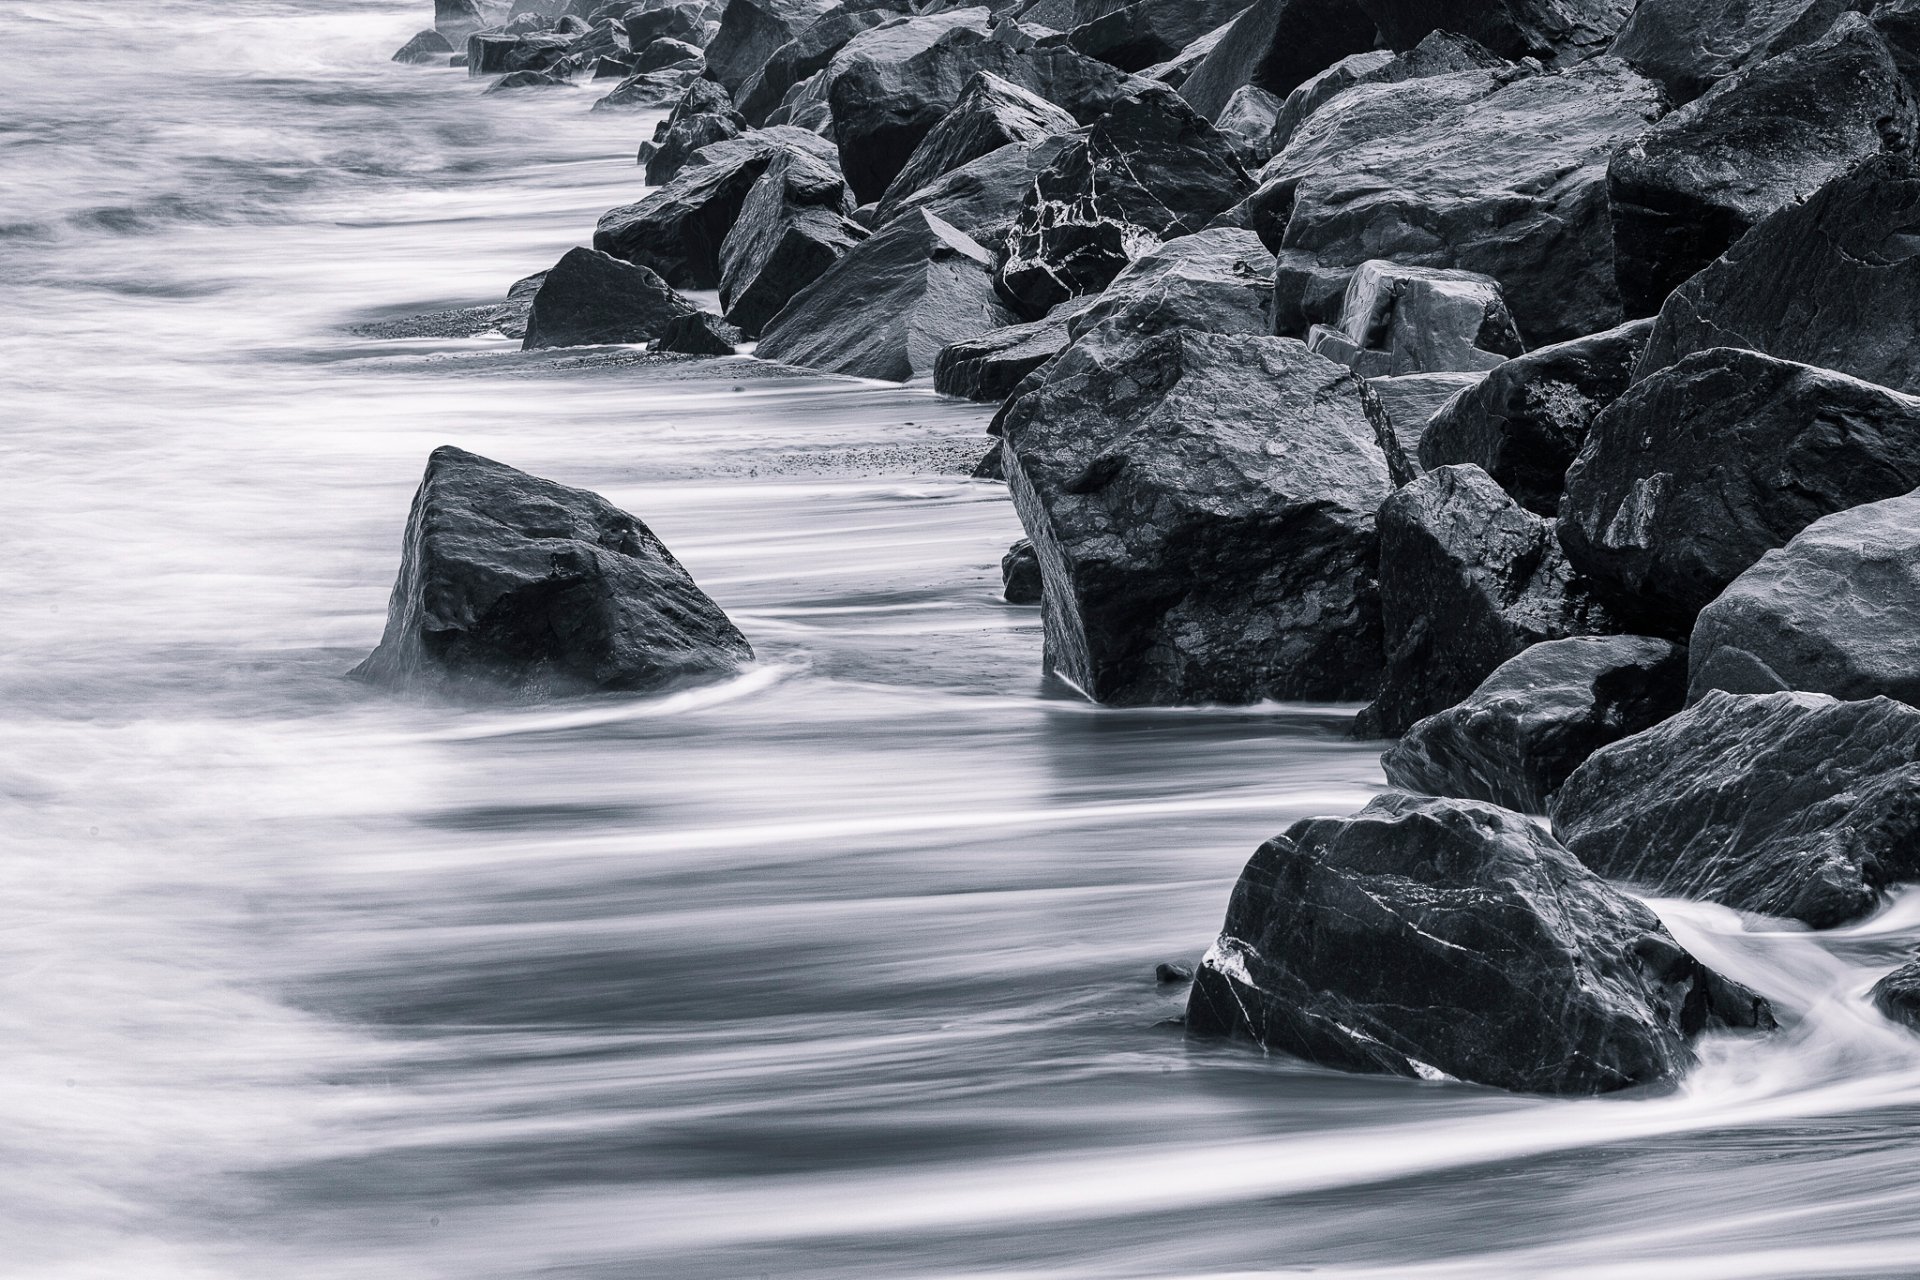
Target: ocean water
(842, 969)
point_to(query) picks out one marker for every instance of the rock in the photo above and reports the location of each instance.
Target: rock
(990, 113)
(699, 334)
(1436, 938)
(1147, 172)
(1020, 573)
(1397, 319)
(678, 230)
(487, 53)
(1897, 995)
(427, 46)
(808, 52)
(792, 228)
(458, 19)
(649, 90)
(1788, 804)
(1317, 90)
(1764, 138)
(1514, 740)
(751, 31)
(649, 25)
(1526, 421)
(1202, 507)
(1698, 471)
(1898, 21)
(513, 583)
(989, 467)
(1554, 31)
(1834, 282)
(1438, 54)
(1411, 400)
(1140, 33)
(668, 53)
(1689, 45)
(703, 115)
(1831, 612)
(590, 298)
(1174, 71)
(1169, 974)
(515, 81)
(1247, 122)
(889, 306)
(1468, 579)
(989, 367)
(983, 197)
(1214, 281)
(1276, 45)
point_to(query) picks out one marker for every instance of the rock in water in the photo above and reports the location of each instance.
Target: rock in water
(589, 297)
(1699, 470)
(1276, 45)
(794, 225)
(1765, 138)
(1689, 45)
(1831, 612)
(990, 113)
(1429, 938)
(513, 583)
(1397, 319)
(1525, 422)
(1554, 31)
(989, 367)
(1898, 995)
(458, 19)
(889, 306)
(1020, 573)
(703, 115)
(1530, 724)
(699, 334)
(427, 46)
(1202, 507)
(1833, 282)
(1789, 804)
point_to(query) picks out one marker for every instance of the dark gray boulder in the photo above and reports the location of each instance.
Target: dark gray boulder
(1317, 90)
(1899, 22)
(699, 334)
(520, 81)
(648, 24)
(983, 197)
(1554, 31)
(590, 297)
(458, 19)
(1441, 53)
(1519, 736)
(487, 53)
(1468, 579)
(793, 226)
(990, 113)
(1411, 400)
(649, 90)
(510, 583)
(1214, 281)
(1020, 573)
(750, 31)
(989, 367)
(665, 53)
(1135, 34)
(1834, 282)
(808, 52)
(704, 114)
(1276, 45)
(1247, 121)
(1831, 612)
(1788, 804)
(1397, 319)
(1897, 995)
(1202, 507)
(427, 46)
(1690, 45)
(1701, 469)
(1526, 421)
(1434, 938)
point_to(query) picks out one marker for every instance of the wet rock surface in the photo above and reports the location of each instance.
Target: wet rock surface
(589, 298)
(793, 227)
(1275, 45)
(990, 113)
(1020, 573)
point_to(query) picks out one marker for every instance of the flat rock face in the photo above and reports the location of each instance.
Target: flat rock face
(1518, 737)
(1202, 507)
(1139, 34)
(1247, 121)
(1764, 138)
(1468, 579)
(513, 584)
(1689, 45)
(751, 30)
(589, 298)
(1411, 400)
(989, 367)
(1698, 471)
(1438, 54)
(1276, 45)
(889, 305)
(989, 114)
(697, 335)
(1831, 612)
(1512, 185)
(1215, 281)
(1397, 319)
(1788, 804)
(808, 53)
(1526, 421)
(1427, 938)
(794, 225)
(1833, 282)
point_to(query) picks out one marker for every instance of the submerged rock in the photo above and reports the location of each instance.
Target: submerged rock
(427, 46)
(589, 298)
(516, 81)
(1434, 938)
(1020, 573)
(1897, 995)
(793, 226)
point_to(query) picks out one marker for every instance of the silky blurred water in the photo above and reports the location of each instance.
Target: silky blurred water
(841, 970)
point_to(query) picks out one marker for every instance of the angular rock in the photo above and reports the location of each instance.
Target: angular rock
(1530, 724)
(990, 113)
(590, 298)
(1554, 31)
(1020, 573)
(668, 53)
(989, 367)
(513, 583)
(792, 228)
(810, 50)
(1689, 45)
(1397, 319)
(983, 197)
(703, 115)
(699, 334)
(1134, 34)
(1174, 71)
(1214, 281)
(1897, 995)
(1437, 938)
(1276, 45)
(516, 81)
(1202, 506)
(487, 53)
(1247, 121)
(1696, 472)
(1833, 282)
(649, 90)
(1441, 53)
(427, 46)
(1411, 400)
(650, 24)
(1315, 92)
(1788, 804)
(751, 30)
(458, 19)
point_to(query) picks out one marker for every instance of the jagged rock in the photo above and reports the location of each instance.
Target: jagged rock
(668, 53)
(1202, 506)
(1689, 45)
(678, 230)
(649, 90)
(1830, 612)
(1788, 804)
(487, 53)
(1398, 319)
(1317, 90)
(1764, 138)
(699, 334)
(704, 114)
(983, 197)
(1214, 281)
(1526, 421)
(989, 367)
(889, 306)
(513, 583)
(590, 298)
(516, 81)
(1530, 724)
(1020, 573)
(751, 31)
(1699, 470)
(1275, 45)
(1174, 71)
(1897, 995)
(1438, 54)
(990, 113)
(458, 19)
(683, 22)
(1147, 172)
(1833, 282)
(1437, 938)
(1411, 400)
(989, 467)
(810, 50)
(1554, 31)
(793, 226)
(544, 52)
(427, 46)
(1140, 33)
(1247, 121)
(1899, 22)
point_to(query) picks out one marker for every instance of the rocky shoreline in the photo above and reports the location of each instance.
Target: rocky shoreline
(1542, 374)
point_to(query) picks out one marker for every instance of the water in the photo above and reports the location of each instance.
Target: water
(840, 970)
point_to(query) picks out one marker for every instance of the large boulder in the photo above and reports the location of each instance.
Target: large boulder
(513, 583)
(678, 230)
(1214, 281)
(1834, 282)
(649, 90)
(1202, 506)
(1690, 45)
(458, 19)
(427, 46)
(1788, 804)
(990, 113)
(1247, 121)
(1762, 139)
(989, 367)
(889, 305)
(1512, 185)
(1831, 612)
(1440, 53)
(1553, 31)
(1135, 34)
(1435, 938)
(1701, 469)
(704, 115)
(808, 52)
(1897, 995)
(1397, 319)
(645, 25)
(1519, 736)
(983, 197)
(794, 225)
(750, 31)
(1411, 401)
(1276, 45)
(1468, 579)
(589, 297)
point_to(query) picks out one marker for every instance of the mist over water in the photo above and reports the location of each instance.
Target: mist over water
(843, 969)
